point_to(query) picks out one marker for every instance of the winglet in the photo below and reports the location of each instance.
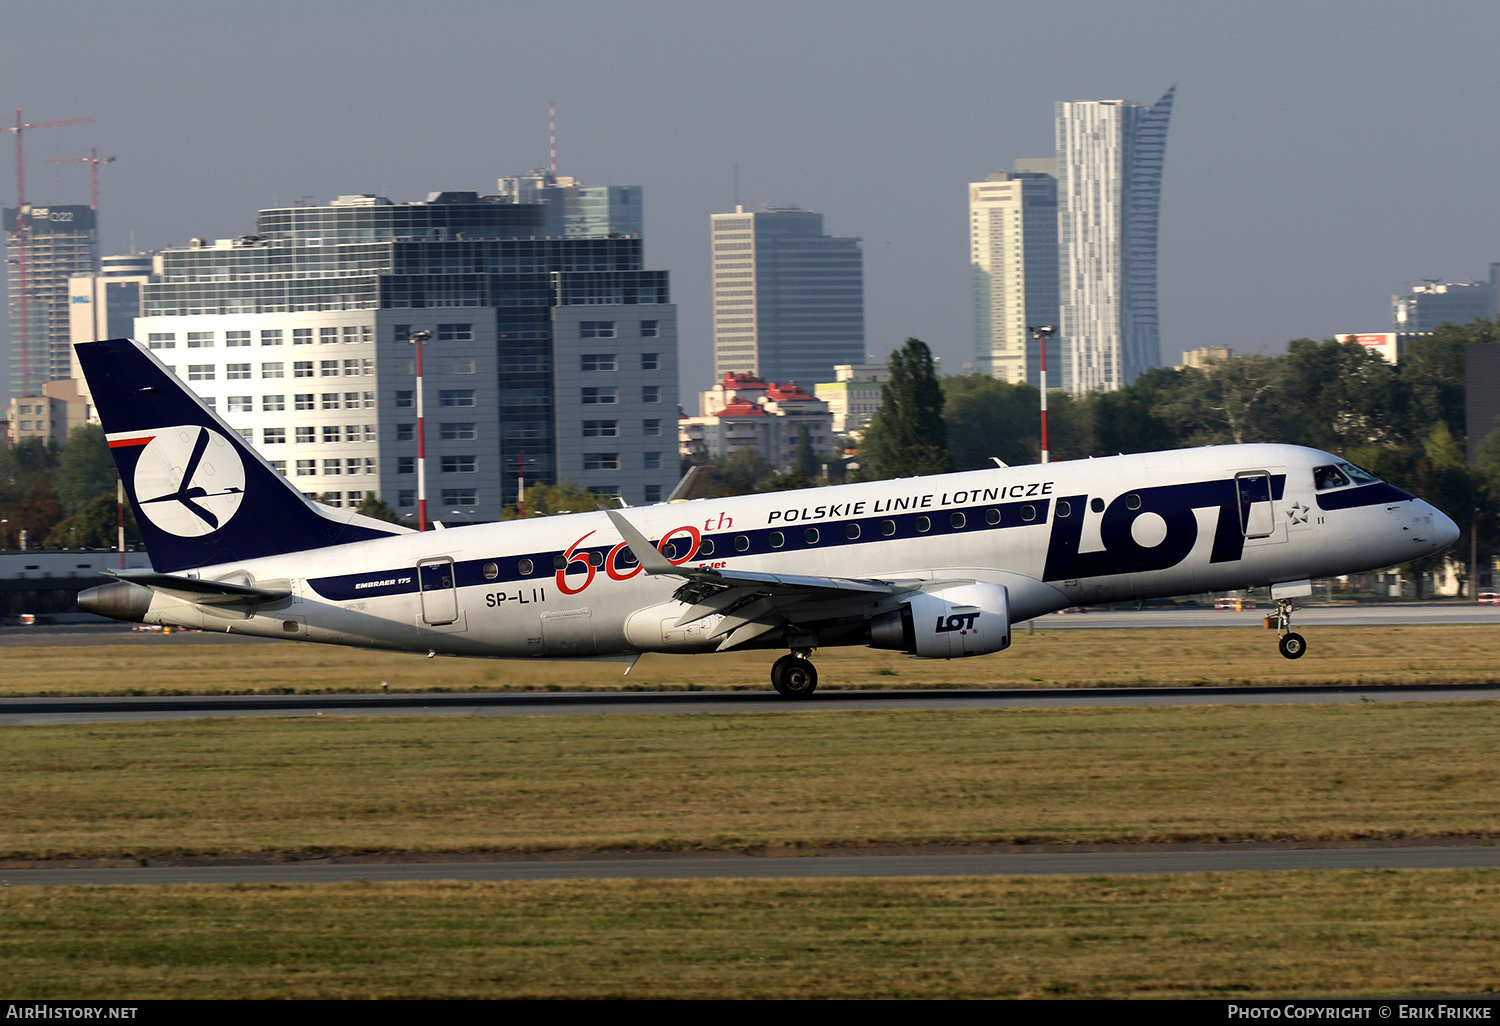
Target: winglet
(652, 561)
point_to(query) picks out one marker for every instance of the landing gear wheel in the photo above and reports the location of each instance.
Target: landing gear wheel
(1293, 645)
(794, 677)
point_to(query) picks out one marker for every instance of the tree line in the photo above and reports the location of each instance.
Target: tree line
(61, 496)
(1404, 422)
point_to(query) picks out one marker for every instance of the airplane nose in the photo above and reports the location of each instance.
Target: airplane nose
(1446, 530)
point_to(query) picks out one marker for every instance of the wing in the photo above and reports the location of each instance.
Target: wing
(753, 603)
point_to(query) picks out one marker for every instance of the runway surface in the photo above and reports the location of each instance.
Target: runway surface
(17, 711)
(822, 866)
(1151, 618)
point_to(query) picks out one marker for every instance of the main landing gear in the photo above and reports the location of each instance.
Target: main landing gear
(1292, 645)
(793, 676)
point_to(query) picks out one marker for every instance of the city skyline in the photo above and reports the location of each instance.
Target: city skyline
(1289, 209)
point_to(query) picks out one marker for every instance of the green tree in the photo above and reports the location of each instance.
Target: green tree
(985, 418)
(1145, 416)
(27, 499)
(96, 526)
(907, 436)
(1487, 456)
(553, 500)
(1338, 397)
(85, 469)
(741, 472)
(804, 460)
(376, 508)
(1433, 368)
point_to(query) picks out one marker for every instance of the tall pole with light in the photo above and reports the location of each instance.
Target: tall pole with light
(1042, 333)
(521, 464)
(417, 338)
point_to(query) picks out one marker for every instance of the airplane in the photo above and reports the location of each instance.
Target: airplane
(937, 567)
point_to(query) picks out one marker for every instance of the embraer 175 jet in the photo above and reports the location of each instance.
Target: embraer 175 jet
(937, 567)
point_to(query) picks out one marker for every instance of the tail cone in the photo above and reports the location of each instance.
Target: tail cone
(120, 600)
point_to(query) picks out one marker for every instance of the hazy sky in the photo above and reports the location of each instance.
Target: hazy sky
(1322, 155)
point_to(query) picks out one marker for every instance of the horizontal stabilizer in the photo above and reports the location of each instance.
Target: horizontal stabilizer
(212, 593)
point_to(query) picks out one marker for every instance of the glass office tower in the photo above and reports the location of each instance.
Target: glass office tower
(789, 300)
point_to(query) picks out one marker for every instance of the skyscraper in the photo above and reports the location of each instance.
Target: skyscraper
(789, 300)
(1110, 155)
(60, 242)
(1013, 253)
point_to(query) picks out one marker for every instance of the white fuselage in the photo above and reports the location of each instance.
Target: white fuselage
(1054, 535)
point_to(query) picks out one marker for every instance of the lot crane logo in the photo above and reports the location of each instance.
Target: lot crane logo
(189, 481)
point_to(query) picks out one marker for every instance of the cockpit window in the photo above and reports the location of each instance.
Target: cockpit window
(1341, 475)
(1328, 477)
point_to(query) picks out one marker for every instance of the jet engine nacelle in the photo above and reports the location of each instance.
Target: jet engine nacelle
(947, 623)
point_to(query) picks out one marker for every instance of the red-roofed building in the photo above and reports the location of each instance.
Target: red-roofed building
(743, 410)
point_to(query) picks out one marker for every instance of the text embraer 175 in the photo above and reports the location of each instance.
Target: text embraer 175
(938, 567)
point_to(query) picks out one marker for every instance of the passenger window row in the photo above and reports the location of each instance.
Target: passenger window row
(707, 547)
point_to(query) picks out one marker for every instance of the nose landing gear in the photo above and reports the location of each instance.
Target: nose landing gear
(793, 676)
(1292, 645)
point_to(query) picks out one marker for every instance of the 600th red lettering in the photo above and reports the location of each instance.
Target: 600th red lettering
(611, 561)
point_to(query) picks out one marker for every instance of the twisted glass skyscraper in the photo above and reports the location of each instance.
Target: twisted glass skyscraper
(1109, 155)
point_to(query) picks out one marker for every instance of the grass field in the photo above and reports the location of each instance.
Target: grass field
(163, 664)
(779, 780)
(1240, 935)
(751, 780)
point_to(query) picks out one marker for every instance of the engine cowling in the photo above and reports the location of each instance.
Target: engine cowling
(947, 623)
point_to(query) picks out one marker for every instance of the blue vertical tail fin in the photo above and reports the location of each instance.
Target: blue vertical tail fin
(201, 495)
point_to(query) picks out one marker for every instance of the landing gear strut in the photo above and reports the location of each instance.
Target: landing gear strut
(793, 676)
(1292, 645)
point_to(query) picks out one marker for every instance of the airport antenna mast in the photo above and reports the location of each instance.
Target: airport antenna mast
(22, 331)
(552, 136)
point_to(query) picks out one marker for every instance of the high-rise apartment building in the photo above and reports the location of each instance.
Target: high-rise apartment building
(575, 210)
(1110, 155)
(1425, 307)
(562, 348)
(789, 300)
(59, 242)
(1013, 254)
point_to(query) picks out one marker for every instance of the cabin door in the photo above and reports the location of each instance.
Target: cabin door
(1257, 511)
(439, 596)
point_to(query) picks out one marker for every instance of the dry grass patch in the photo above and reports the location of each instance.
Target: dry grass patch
(750, 780)
(1241, 935)
(172, 664)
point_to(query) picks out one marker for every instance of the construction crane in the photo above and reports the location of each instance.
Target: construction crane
(21, 233)
(93, 160)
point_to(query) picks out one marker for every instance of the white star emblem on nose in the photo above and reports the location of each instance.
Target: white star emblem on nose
(1298, 513)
